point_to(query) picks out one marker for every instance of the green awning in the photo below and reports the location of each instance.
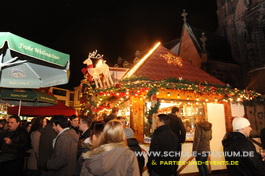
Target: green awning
(32, 49)
(29, 97)
(26, 64)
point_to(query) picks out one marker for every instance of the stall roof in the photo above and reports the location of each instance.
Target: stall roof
(155, 67)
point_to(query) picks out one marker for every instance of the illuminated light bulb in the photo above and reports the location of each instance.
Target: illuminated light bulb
(168, 94)
(197, 99)
(178, 96)
(215, 99)
(100, 99)
(206, 100)
(239, 99)
(197, 103)
(127, 93)
(163, 100)
(117, 94)
(157, 93)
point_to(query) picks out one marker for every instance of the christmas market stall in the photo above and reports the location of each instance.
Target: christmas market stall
(160, 81)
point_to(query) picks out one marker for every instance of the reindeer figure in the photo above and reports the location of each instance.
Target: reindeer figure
(101, 67)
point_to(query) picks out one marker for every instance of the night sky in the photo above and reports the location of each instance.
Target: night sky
(114, 28)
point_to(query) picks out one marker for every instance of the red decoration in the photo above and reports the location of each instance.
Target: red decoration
(118, 85)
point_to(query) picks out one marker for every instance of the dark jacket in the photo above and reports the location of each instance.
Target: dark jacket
(202, 137)
(45, 147)
(17, 148)
(163, 140)
(110, 117)
(63, 160)
(81, 146)
(75, 128)
(133, 144)
(234, 142)
(176, 125)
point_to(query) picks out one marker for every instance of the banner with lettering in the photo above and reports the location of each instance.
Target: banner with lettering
(29, 48)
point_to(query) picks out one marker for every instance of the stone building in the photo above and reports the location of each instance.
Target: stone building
(242, 23)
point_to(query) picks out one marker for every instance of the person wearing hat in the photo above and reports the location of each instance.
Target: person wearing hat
(133, 144)
(237, 148)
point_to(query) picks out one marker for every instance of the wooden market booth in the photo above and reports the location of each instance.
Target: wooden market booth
(161, 80)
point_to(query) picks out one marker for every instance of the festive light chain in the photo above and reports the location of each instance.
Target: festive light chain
(138, 86)
(132, 87)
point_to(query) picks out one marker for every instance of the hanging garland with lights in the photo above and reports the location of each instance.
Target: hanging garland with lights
(136, 85)
(155, 104)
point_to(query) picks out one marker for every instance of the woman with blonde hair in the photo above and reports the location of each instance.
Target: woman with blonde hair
(201, 143)
(110, 155)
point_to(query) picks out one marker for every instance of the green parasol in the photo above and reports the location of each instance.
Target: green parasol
(25, 64)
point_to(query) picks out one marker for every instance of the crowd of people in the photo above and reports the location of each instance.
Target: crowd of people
(89, 145)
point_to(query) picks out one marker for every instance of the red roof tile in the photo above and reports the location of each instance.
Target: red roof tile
(157, 68)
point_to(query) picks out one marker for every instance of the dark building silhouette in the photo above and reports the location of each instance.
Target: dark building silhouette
(242, 23)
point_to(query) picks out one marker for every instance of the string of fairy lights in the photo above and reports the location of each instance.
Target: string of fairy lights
(174, 89)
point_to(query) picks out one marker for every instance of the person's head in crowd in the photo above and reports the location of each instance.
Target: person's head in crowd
(96, 131)
(200, 119)
(74, 121)
(115, 110)
(242, 125)
(93, 117)
(59, 122)
(28, 126)
(175, 110)
(122, 120)
(163, 119)
(113, 132)
(38, 123)
(84, 124)
(44, 123)
(13, 122)
(129, 133)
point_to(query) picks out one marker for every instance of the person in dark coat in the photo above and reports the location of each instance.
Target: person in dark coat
(63, 159)
(13, 145)
(262, 137)
(112, 115)
(133, 144)
(164, 141)
(236, 143)
(45, 147)
(84, 127)
(201, 144)
(73, 123)
(176, 124)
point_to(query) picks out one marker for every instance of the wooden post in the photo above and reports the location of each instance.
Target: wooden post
(228, 117)
(137, 117)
